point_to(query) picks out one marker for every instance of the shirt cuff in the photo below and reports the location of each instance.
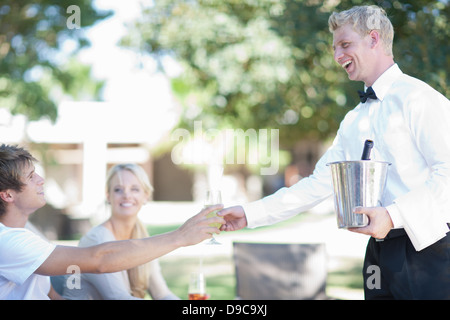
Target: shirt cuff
(396, 218)
(253, 213)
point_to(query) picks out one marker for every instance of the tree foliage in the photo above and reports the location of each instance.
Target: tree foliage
(32, 36)
(269, 63)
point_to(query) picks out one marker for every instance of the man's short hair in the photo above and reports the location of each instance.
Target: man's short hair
(363, 20)
(12, 161)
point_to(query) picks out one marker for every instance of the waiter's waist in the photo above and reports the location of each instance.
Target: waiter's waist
(395, 233)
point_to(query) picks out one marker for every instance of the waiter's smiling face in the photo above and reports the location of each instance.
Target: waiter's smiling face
(354, 53)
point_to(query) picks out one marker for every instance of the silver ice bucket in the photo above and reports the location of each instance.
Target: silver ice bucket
(357, 183)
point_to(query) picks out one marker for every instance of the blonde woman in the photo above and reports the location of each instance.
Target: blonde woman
(128, 188)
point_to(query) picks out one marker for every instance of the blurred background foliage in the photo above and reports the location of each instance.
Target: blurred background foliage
(245, 63)
(269, 63)
(34, 69)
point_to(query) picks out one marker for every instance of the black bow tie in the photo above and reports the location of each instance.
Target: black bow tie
(363, 96)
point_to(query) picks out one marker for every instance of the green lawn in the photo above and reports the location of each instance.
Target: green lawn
(220, 274)
(220, 279)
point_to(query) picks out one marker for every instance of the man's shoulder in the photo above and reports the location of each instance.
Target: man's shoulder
(16, 240)
(9, 234)
(410, 85)
(414, 95)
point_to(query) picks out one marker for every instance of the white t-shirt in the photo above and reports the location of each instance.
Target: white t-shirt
(21, 253)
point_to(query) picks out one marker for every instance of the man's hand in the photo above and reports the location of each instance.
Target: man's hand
(115, 256)
(198, 227)
(234, 217)
(380, 222)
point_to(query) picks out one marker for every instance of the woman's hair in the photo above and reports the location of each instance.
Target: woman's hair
(12, 162)
(364, 19)
(135, 169)
(138, 276)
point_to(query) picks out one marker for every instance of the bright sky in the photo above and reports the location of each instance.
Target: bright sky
(129, 75)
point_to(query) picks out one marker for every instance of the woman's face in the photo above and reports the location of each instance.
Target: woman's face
(126, 194)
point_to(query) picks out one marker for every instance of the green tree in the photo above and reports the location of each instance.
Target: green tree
(32, 58)
(269, 63)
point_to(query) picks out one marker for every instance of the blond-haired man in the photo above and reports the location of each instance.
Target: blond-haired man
(408, 122)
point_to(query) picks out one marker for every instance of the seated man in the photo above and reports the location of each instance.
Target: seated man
(27, 261)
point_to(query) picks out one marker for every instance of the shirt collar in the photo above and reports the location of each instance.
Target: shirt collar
(384, 82)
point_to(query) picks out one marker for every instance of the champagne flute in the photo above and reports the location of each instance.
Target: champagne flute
(213, 197)
(197, 287)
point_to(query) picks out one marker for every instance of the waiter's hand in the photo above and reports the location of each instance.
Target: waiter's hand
(380, 222)
(235, 218)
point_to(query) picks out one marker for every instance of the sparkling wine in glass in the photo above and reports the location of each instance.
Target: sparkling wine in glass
(213, 197)
(197, 287)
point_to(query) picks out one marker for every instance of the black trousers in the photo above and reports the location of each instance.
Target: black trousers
(393, 269)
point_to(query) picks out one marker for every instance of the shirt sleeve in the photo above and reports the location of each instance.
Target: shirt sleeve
(300, 197)
(21, 253)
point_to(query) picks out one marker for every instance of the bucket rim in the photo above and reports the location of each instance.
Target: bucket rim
(357, 161)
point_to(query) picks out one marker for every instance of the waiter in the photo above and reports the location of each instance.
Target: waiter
(408, 122)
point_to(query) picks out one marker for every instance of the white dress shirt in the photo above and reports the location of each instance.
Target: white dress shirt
(409, 124)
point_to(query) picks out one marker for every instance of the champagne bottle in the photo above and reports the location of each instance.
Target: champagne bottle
(368, 145)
